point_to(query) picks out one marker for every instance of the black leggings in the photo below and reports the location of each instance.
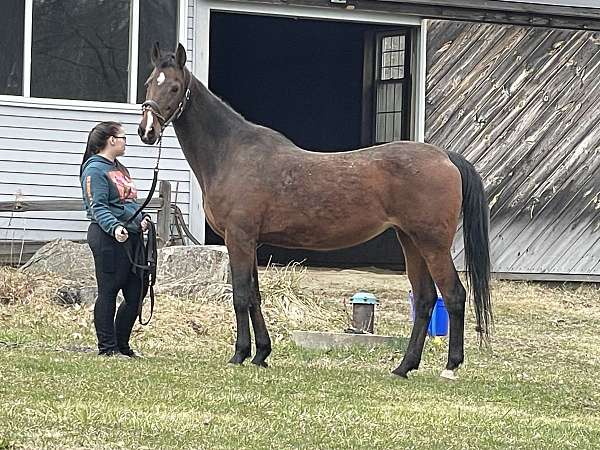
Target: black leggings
(114, 273)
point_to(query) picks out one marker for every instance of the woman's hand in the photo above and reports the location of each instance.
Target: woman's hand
(145, 223)
(121, 233)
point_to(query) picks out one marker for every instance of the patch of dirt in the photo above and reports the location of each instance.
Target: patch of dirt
(343, 283)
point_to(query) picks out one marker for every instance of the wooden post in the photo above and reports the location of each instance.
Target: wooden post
(163, 221)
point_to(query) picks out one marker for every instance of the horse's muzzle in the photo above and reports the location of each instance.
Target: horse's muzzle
(148, 137)
(147, 131)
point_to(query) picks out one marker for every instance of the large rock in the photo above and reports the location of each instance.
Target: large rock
(209, 263)
(194, 270)
(73, 263)
(190, 270)
(74, 293)
(67, 259)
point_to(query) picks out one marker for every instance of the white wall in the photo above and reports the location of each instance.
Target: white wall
(41, 145)
(40, 151)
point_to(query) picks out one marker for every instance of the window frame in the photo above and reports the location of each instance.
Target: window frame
(405, 82)
(413, 84)
(98, 105)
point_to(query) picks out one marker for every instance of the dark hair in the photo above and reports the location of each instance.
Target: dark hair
(97, 141)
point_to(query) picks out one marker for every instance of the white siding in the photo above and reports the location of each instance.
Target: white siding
(190, 34)
(40, 153)
(41, 147)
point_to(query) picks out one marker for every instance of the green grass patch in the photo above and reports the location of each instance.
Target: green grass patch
(535, 389)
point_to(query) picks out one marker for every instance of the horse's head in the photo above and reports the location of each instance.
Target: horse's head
(167, 91)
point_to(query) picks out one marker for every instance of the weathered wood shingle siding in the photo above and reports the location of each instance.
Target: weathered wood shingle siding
(522, 104)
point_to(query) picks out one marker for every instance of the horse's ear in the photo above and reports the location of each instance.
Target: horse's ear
(155, 56)
(180, 56)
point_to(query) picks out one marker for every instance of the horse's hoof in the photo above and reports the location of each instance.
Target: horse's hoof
(260, 363)
(448, 374)
(237, 360)
(400, 373)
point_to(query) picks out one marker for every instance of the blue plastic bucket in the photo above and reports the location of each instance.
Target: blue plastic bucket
(438, 325)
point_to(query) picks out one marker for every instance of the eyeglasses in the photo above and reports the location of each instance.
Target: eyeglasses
(121, 137)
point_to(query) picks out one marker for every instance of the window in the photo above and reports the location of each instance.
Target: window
(11, 47)
(158, 19)
(83, 50)
(80, 50)
(392, 88)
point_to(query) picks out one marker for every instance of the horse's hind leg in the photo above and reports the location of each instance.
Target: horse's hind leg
(261, 333)
(444, 274)
(424, 295)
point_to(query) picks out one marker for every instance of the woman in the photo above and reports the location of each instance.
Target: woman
(110, 196)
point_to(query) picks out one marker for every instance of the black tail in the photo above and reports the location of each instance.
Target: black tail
(476, 219)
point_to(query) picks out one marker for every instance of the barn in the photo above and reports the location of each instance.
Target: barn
(509, 84)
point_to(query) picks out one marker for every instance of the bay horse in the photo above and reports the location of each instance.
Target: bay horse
(258, 187)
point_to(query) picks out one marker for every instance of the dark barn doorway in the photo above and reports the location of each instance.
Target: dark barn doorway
(303, 78)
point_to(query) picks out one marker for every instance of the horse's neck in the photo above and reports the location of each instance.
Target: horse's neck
(206, 131)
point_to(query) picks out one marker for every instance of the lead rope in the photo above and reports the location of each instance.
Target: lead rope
(152, 187)
(145, 257)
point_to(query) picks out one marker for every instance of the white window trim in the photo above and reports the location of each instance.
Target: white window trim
(134, 43)
(182, 23)
(28, 33)
(57, 103)
(85, 105)
(420, 68)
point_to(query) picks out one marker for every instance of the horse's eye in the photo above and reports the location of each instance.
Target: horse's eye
(174, 88)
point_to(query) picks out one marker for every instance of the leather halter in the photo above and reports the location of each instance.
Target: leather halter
(152, 106)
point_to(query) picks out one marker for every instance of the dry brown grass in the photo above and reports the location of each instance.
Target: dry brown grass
(297, 298)
(181, 321)
(208, 317)
(288, 300)
(19, 287)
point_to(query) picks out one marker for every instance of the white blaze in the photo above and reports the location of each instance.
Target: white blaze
(161, 78)
(149, 122)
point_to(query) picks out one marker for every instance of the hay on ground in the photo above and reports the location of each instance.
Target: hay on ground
(19, 287)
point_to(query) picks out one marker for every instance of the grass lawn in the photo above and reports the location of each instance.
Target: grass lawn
(535, 389)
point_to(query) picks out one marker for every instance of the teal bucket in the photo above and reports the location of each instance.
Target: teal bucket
(438, 325)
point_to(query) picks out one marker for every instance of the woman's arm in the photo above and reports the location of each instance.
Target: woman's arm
(97, 193)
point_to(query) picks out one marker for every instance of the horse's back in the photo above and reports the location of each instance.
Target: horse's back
(330, 200)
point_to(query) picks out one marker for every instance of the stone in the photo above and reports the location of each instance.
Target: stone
(207, 263)
(67, 259)
(197, 270)
(76, 294)
(181, 270)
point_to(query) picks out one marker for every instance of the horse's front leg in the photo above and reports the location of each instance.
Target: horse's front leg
(242, 254)
(261, 334)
